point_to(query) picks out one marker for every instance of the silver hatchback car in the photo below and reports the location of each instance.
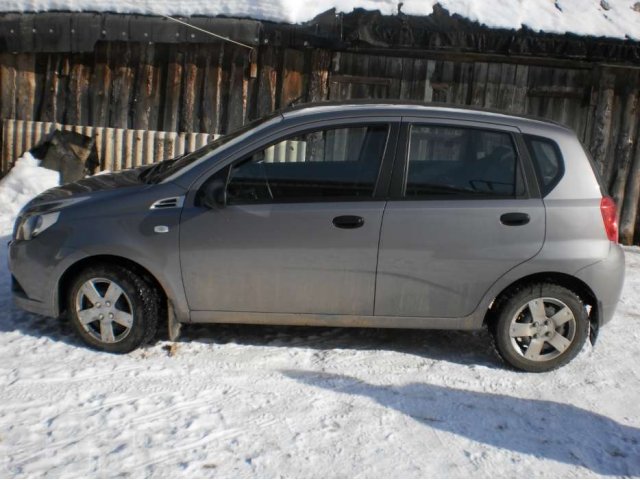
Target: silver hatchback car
(353, 215)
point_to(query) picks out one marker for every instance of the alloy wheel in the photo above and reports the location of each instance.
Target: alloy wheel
(104, 310)
(542, 329)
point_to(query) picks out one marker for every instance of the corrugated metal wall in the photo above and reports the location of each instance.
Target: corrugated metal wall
(118, 148)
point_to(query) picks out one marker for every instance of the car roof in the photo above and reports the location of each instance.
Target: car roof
(418, 109)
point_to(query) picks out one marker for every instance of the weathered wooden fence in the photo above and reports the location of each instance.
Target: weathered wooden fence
(214, 88)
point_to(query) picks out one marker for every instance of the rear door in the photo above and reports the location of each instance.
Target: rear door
(300, 230)
(460, 215)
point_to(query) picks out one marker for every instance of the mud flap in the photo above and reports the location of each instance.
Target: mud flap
(594, 329)
(174, 326)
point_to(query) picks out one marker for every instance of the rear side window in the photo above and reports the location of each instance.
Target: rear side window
(461, 162)
(547, 161)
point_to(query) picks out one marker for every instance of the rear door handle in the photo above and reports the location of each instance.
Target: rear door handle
(348, 221)
(514, 219)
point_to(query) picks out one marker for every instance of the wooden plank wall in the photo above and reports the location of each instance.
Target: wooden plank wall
(180, 87)
(214, 88)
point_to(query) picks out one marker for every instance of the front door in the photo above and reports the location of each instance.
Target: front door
(459, 218)
(299, 232)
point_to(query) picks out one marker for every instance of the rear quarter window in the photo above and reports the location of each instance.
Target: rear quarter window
(547, 161)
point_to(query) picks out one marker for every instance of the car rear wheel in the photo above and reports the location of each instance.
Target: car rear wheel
(540, 327)
(113, 308)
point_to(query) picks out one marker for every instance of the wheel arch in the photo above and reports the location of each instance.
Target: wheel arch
(64, 283)
(579, 287)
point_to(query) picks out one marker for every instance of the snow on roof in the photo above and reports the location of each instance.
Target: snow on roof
(606, 18)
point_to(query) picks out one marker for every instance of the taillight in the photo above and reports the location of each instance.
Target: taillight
(610, 217)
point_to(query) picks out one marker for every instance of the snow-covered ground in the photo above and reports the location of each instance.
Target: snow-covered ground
(241, 401)
(609, 18)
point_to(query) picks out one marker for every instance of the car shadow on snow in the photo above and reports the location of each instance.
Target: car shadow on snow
(544, 429)
(466, 348)
(462, 347)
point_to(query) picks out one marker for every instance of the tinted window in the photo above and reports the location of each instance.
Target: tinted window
(452, 161)
(547, 161)
(166, 168)
(320, 165)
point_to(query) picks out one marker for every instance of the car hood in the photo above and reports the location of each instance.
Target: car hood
(90, 185)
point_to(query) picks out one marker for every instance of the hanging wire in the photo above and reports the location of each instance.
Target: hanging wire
(226, 39)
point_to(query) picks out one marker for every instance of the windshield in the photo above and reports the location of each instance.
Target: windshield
(166, 168)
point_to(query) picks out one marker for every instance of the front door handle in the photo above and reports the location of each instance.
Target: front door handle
(348, 221)
(515, 219)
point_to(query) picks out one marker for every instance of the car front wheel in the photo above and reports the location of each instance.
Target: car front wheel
(113, 308)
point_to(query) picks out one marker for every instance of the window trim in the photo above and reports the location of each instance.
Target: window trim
(381, 183)
(399, 181)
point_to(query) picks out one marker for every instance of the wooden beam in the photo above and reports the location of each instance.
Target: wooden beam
(122, 87)
(25, 86)
(8, 76)
(624, 147)
(147, 90)
(172, 100)
(211, 90)
(100, 87)
(602, 125)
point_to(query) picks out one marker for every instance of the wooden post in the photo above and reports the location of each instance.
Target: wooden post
(624, 146)
(211, 90)
(8, 85)
(492, 89)
(293, 76)
(172, 92)
(319, 75)
(147, 91)
(479, 83)
(629, 212)
(25, 86)
(123, 78)
(506, 89)
(393, 71)
(190, 94)
(520, 93)
(602, 125)
(267, 81)
(99, 91)
(78, 109)
(237, 107)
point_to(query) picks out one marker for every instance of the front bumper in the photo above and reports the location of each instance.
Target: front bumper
(33, 285)
(33, 306)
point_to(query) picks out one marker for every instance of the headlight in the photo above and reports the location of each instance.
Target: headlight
(37, 216)
(33, 225)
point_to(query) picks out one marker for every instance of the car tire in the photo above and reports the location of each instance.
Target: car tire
(539, 327)
(113, 308)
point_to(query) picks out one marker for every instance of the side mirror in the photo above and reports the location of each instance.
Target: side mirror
(214, 194)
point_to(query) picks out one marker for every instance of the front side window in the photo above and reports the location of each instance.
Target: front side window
(321, 165)
(452, 161)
